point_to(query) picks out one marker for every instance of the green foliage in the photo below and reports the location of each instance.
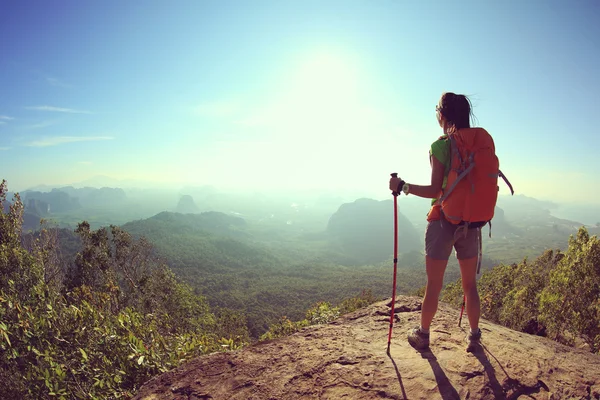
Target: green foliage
(320, 313)
(520, 308)
(118, 319)
(452, 293)
(283, 327)
(78, 351)
(260, 277)
(233, 325)
(354, 303)
(509, 293)
(558, 294)
(493, 287)
(20, 274)
(570, 303)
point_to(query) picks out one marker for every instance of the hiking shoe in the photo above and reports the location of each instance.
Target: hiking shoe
(418, 339)
(474, 340)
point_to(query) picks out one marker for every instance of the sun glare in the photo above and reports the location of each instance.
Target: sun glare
(325, 80)
(322, 95)
(317, 126)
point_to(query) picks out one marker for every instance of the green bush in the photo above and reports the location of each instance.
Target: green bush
(103, 328)
(556, 295)
(354, 303)
(321, 313)
(570, 303)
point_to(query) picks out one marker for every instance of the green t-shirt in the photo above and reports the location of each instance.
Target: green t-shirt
(440, 149)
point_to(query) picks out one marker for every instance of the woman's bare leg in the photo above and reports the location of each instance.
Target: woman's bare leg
(468, 271)
(435, 281)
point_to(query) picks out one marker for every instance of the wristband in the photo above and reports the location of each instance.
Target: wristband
(405, 188)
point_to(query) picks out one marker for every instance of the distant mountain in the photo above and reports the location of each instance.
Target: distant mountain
(207, 224)
(90, 196)
(500, 226)
(588, 214)
(68, 198)
(100, 181)
(525, 229)
(94, 182)
(34, 211)
(187, 205)
(37, 207)
(57, 200)
(42, 188)
(525, 202)
(364, 229)
(105, 196)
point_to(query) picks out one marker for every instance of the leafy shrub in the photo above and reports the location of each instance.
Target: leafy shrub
(556, 295)
(119, 318)
(321, 313)
(284, 327)
(570, 303)
(354, 303)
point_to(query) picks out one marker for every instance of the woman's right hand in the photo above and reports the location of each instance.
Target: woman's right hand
(396, 184)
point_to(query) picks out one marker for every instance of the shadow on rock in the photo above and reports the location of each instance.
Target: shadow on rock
(398, 375)
(512, 388)
(445, 387)
(479, 351)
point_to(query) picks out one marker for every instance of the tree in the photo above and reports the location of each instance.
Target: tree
(19, 272)
(122, 317)
(570, 303)
(520, 308)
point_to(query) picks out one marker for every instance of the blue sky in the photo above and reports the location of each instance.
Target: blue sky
(294, 95)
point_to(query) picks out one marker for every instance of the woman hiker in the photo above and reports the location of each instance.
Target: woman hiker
(453, 114)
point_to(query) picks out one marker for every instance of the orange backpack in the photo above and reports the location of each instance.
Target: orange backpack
(472, 187)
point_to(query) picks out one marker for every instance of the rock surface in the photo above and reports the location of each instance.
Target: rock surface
(347, 359)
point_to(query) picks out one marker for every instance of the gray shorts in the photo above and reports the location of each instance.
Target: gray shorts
(442, 235)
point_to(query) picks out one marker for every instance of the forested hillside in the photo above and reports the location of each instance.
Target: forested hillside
(267, 268)
(95, 313)
(236, 265)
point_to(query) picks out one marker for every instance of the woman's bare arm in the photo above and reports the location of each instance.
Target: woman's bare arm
(437, 178)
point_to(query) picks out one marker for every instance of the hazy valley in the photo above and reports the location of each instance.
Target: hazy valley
(270, 256)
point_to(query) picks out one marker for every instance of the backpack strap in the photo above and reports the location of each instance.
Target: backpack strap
(501, 175)
(453, 149)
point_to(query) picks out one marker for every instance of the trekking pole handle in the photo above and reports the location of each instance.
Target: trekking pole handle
(394, 175)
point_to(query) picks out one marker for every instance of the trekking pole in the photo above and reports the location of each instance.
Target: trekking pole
(395, 194)
(461, 310)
